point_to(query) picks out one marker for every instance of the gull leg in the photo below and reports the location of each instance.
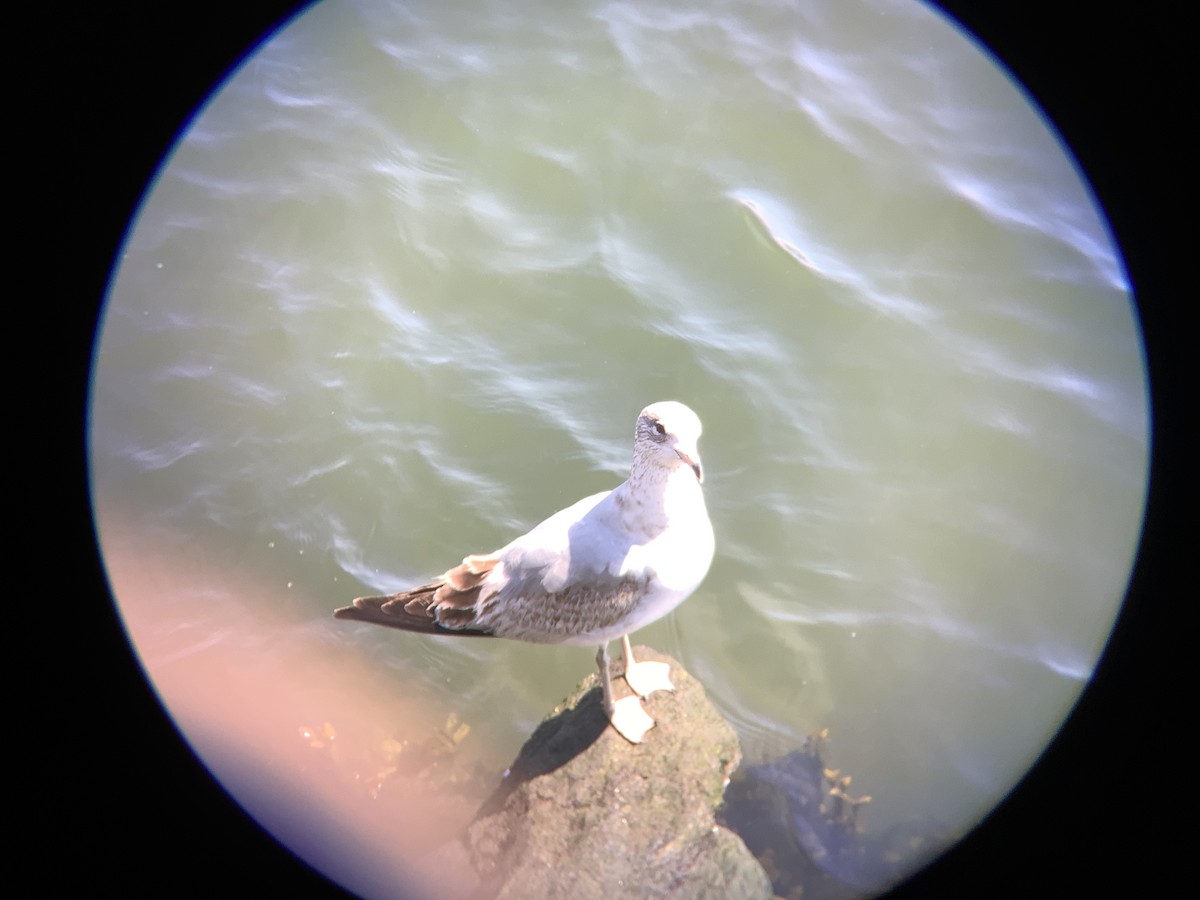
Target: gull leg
(626, 714)
(645, 677)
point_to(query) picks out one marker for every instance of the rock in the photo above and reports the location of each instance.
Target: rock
(582, 813)
(788, 811)
(798, 815)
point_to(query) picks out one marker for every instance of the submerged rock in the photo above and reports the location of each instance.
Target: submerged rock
(798, 816)
(586, 814)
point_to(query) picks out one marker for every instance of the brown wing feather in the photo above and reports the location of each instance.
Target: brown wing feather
(460, 587)
(444, 606)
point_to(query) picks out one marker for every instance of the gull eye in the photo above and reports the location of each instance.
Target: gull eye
(660, 428)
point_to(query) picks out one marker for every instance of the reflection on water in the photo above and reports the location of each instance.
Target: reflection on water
(409, 277)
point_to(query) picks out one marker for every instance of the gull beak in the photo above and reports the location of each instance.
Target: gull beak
(694, 463)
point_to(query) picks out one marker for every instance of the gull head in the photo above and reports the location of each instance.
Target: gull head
(668, 436)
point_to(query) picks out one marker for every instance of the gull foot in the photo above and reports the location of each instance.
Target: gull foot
(647, 677)
(630, 719)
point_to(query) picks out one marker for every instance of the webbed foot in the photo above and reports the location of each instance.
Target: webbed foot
(630, 720)
(645, 677)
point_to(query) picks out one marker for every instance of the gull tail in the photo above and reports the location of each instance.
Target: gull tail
(446, 605)
(411, 610)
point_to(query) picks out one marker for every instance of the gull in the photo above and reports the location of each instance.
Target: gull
(597, 570)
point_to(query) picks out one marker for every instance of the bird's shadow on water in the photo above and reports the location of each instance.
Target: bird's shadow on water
(556, 741)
